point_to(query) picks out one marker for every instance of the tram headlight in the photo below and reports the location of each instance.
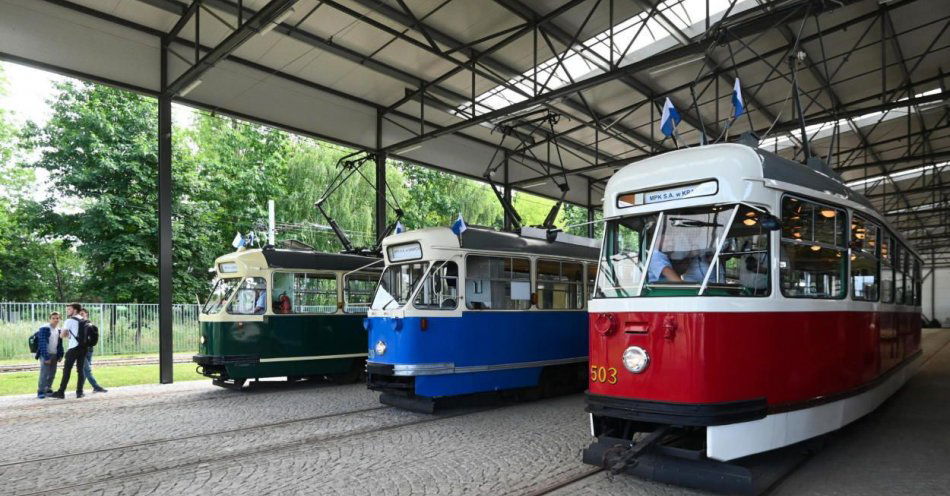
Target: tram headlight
(380, 348)
(635, 359)
(201, 340)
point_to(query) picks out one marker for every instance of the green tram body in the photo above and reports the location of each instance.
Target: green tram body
(318, 332)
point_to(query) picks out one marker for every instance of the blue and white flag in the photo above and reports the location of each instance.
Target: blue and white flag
(238, 240)
(669, 118)
(399, 227)
(738, 106)
(251, 239)
(459, 226)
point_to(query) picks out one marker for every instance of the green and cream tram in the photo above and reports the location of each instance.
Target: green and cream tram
(293, 313)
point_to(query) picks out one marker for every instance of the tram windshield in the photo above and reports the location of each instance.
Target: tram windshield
(686, 252)
(220, 294)
(397, 285)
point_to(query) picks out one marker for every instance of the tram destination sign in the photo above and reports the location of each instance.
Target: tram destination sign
(408, 251)
(706, 188)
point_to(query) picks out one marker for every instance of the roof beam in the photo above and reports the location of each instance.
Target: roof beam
(244, 32)
(742, 27)
(481, 58)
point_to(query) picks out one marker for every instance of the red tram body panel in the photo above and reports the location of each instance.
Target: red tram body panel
(787, 358)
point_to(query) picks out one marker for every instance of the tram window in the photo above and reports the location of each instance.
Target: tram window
(813, 259)
(887, 269)
(743, 266)
(396, 285)
(560, 285)
(251, 297)
(497, 283)
(918, 282)
(865, 267)
(911, 296)
(591, 279)
(220, 294)
(358, 291)
(898, 274)
(301, 292)
(440, 289)
(626, 242)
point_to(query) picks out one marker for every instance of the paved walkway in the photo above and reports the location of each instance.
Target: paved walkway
(191, 438)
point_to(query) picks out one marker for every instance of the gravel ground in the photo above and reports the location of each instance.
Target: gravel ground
(191, 438)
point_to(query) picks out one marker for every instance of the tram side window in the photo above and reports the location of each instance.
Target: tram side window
(624, 254)
(440, 289)
(358, 291)
(918, 282)
(887, 269)
(813, 260)
(302, 292)
(560, 285)
(865, 265)
(911, 298)
(898, 274)
(591, 280)
(497, 283)
(744, 258)
(251, 297)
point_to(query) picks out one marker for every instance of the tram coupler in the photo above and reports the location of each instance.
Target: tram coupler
(623, 455)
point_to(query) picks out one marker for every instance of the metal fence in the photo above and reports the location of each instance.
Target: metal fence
(124, 328)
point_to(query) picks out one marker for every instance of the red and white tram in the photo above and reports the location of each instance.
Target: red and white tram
(744, 303)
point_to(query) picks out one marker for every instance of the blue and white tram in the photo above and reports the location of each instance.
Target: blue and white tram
(483, 312)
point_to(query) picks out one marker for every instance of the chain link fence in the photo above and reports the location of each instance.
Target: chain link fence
(124, 328)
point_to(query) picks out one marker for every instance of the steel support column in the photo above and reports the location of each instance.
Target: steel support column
(590, 209)
(506, 192)
(165, 346)
(380, 212)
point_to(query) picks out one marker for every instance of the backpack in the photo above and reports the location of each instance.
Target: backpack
(92, 334)
(35, 342)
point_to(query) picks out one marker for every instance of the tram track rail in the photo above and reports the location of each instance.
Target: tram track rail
(236, 455)
(562, 484)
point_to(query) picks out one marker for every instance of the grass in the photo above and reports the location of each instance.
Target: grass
(108, 377)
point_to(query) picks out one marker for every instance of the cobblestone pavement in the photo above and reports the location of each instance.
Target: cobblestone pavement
(192, 438)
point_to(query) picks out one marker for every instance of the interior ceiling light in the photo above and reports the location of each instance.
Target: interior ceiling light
(749, 222)
(827, 213)
(815, 248)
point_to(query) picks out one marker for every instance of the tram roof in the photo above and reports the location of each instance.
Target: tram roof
(278, 258)
(479, 238)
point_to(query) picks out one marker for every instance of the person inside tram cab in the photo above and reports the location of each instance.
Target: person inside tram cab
(260, 304)
(283, 305)
(663, 269)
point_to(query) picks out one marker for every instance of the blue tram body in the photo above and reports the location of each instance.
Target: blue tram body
(516, 324)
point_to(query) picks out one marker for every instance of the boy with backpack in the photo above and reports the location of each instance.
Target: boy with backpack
(91, 330)
(48, 349)
(75, 334)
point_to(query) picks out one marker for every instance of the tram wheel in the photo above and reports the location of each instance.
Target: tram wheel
(355, 374)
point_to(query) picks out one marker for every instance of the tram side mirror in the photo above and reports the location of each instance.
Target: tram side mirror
(771, 222)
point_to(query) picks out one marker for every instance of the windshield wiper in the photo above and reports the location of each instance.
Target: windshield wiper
(680, 222)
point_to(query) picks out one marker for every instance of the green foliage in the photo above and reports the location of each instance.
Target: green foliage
(100, 149)
(434, 198)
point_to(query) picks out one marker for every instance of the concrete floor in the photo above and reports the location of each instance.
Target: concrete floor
(191, 438)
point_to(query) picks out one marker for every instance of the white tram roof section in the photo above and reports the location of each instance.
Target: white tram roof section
(442, 243)
(736, 169)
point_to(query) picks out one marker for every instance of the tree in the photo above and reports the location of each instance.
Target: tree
(434, 198)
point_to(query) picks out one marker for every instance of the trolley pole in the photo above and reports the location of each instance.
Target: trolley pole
(165, 346)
